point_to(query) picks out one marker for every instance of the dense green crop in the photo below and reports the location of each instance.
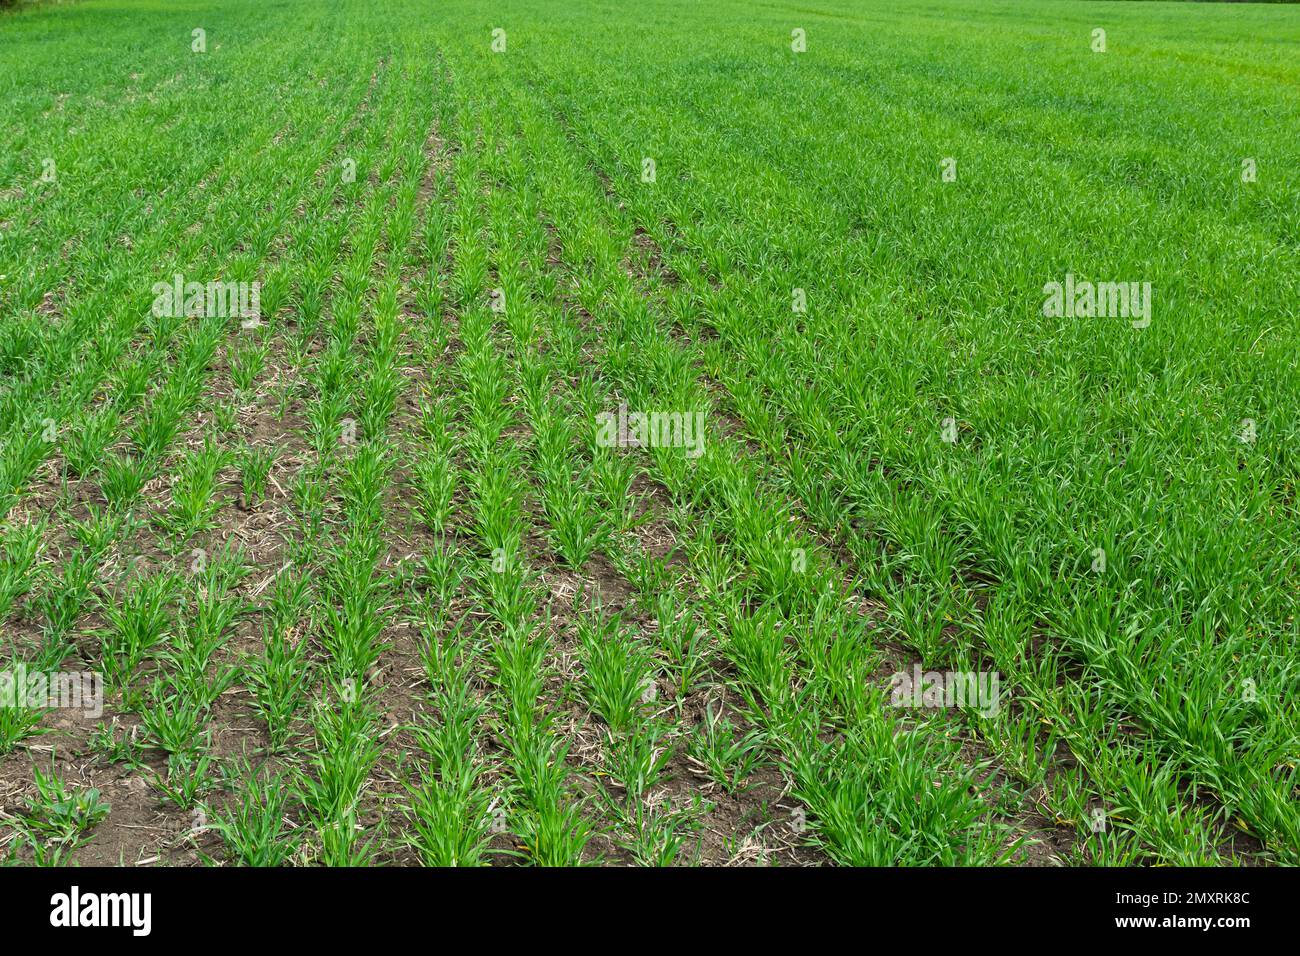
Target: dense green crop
(659, 433)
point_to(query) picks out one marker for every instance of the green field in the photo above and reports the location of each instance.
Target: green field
(564, 432)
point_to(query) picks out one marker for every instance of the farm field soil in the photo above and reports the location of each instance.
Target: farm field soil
(649, 434)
